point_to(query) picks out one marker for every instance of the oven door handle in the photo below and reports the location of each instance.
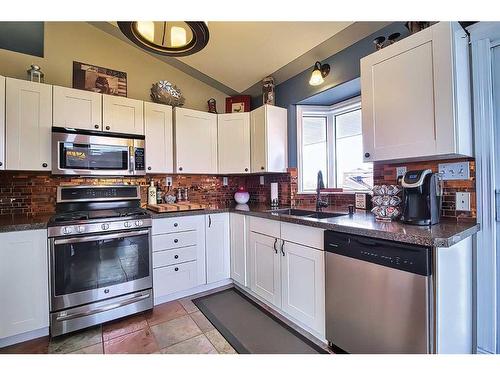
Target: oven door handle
(99, 237)
(103, 308)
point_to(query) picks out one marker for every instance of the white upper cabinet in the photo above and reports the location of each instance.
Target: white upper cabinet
(195, 141)
(416, 97)
(268, 138)
(28, 122)
(122, 115)
(2, 123)
(77, 109)
(234, 142)
(159, 138)
(217, 247)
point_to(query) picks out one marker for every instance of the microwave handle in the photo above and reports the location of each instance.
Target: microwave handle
(131, 158)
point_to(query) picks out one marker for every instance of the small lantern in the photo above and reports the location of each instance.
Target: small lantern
(35, 74)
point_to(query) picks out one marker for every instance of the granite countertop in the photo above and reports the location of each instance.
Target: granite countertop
(444, 234)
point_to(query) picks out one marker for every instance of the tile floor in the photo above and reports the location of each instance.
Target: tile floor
(176, 327)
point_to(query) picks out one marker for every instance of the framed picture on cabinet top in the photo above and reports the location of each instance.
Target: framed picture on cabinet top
(237, 104)
(98, 79)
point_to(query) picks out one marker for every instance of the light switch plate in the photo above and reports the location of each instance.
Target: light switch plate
(262, 180)
(168, 181)
(400, 171)
(462, 202)
(454, 171)
(224, 181)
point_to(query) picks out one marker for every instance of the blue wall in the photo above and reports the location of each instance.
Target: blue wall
(23, 37)
(344, 69)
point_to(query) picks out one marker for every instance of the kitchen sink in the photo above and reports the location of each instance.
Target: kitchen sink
(306, 213)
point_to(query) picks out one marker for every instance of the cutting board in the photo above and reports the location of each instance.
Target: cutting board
(174, 207)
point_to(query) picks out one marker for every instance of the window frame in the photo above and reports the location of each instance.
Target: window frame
(330, 112)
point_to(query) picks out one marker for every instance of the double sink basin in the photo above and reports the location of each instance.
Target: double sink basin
(305, 213)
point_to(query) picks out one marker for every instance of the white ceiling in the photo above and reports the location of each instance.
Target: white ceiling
(240, 54)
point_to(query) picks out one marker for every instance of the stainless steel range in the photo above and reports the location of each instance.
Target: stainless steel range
(99, 256)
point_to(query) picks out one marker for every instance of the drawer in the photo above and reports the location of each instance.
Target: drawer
(177, 224)
(174, 240)
(303, 235)
(265, 226)
(171, 279)
(175, 256)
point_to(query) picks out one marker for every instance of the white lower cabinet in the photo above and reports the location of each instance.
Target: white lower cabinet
(238, 242)
(24, 292)
(265, 276)
(175, 278)
(217, 247)
(303, 285)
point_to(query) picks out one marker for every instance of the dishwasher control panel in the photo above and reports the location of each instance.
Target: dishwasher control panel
(405, 257)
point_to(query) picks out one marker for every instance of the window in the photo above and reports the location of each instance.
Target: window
(330, 140)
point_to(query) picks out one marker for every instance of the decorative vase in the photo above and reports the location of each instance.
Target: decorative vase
(241, 196)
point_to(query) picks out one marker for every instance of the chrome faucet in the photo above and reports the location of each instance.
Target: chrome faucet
(320, 185)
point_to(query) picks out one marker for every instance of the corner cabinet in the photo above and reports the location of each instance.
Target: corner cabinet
(2, 123)
(122, 115)
(268, 139)
(77, 109)
(217, 247)
(233, 142)
(195, 134)
(24, 290)
(416, 97)
(28, 125)
(159, 138)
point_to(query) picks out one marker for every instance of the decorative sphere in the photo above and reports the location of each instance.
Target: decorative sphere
(241, 196)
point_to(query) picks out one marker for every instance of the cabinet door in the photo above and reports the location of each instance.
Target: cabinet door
(158, 129)
(77, 108)
(217, 247)
(277, 140)
(234, 142)
(122, 115)
(2, 123)
(28, 120)
(265, 277)
(303, 284)
(195, 141)
(238, 243)
(258, 139)
(23, 282)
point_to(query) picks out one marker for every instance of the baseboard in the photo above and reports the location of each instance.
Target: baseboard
(192, 291)
(26, 336)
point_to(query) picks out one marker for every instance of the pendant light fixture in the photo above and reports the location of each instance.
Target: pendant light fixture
(168, 38)
(319, 73)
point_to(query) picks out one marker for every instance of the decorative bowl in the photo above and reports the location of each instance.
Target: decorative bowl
(164, 92)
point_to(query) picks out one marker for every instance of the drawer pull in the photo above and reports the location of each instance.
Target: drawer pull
(176, 240)
(176, 268)
(176, 256)
(176, 224)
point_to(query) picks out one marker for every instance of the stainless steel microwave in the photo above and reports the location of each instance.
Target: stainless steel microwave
(89, 153)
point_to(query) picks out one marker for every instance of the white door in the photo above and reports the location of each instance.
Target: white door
(265, 276)
(217, 247)
(2, 123)
(122, 115)
(23, 282)
(28, 121)
(79, 109)
(158, 130)
(258, 139)
(195, 141)
(303, 284)
(238, 244)
(234, 142)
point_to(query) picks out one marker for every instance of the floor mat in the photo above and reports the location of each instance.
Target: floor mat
(251, 329)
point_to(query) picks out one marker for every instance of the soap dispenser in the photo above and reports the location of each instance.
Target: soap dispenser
(152, 193)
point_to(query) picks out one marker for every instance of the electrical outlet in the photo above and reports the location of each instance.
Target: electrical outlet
(168, 181)
(262, 180)
(454, 171)
(462, 201)
(400, 171)
(225, 181)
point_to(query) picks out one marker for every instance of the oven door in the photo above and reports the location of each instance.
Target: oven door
(82, 154)
(92, 268)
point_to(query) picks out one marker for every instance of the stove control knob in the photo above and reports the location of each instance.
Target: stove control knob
(80, 229)
(138, 223)
(127, 224)
(67, 230)
(105, 226)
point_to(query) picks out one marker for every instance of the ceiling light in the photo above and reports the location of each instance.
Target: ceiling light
(319, 73)
(173, 38)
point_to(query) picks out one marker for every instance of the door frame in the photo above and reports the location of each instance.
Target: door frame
(484, 35)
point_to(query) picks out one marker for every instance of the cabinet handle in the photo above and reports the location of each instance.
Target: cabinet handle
(176, 268)
(282, 246)
(44, 165)
(209, 221)
(176, 240)
(180, 168)
(176, 256)
(96, 126)
(246, 169)
(1, 163)
(274, 246)
(149, 168)
(367, 154)
(176, 225)
(262, 168)
(107, 128)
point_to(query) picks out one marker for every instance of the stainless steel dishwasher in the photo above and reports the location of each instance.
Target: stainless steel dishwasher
(378, 295)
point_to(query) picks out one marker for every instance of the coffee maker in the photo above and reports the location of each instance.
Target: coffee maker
(421, 197)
